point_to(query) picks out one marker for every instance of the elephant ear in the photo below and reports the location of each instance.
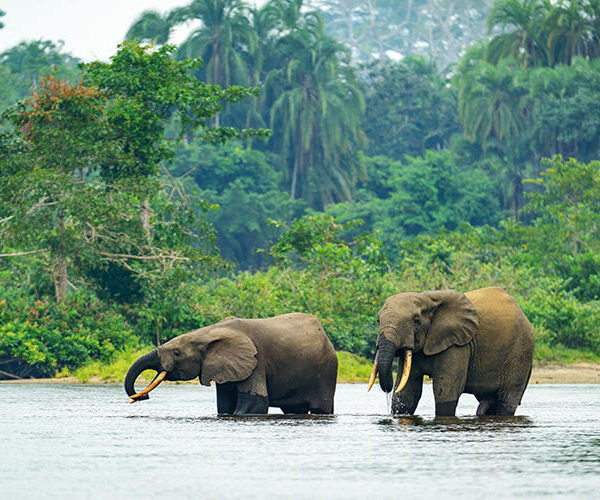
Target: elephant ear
(230, 356)
(454, 322)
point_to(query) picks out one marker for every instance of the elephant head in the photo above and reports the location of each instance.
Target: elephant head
(430, 322)
(219, 354)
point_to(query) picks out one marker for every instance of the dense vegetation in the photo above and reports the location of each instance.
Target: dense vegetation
(143, 197)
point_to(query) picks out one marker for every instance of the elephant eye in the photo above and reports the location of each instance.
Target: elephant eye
(176, 352)
(416, 319)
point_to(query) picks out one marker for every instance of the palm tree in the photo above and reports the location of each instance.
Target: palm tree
(575, 30)
(523, 31)
(221, 40)
(262, 39)
(491, 102)
(493, 106)
(315, 111)
(151, 26)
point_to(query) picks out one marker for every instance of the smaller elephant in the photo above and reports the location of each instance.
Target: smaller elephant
(286, 361)
(479, 342)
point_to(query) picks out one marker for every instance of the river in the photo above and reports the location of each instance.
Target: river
(80, 441)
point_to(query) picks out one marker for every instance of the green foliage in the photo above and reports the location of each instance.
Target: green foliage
(420, 196)
(51, 336)
(247, 188)
(148, 88)
(112, 371)
(566, 321)
(353, 368)
(409, 109)
(83, 166)
(315, 107)
(558, 354)
(22, 66)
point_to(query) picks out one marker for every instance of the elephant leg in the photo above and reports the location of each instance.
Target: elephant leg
(406, 401)
(252, 398)
(251, 404)
(226, 398)
(321, 401)
(325, 409)
(487, 406)
(510, 393)
(505, 409)
(449, 373)
(295, 409)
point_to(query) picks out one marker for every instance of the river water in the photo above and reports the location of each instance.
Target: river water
(78, 441)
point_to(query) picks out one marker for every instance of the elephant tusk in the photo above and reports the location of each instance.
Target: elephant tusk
(405, 370)
(157, 380)
(373, 373)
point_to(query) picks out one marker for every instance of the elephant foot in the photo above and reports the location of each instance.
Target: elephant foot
(486, 407)
(447, 409)
(295, 409)
(495, 407)
(322, 410)
(251, 404)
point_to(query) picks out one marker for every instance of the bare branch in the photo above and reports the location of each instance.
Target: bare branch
(19, 254)
(142, 257)
(10, 375)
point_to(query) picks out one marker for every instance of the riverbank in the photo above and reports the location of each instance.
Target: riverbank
(576, 373)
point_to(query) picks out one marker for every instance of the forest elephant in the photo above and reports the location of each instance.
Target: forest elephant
(479, 342)
(286, 361)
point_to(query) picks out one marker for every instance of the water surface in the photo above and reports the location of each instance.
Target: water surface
(63, 441)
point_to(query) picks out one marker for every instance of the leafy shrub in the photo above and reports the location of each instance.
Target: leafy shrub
(566, 321)
(51, 336)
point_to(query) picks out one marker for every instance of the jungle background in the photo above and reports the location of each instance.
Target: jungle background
(312, 156)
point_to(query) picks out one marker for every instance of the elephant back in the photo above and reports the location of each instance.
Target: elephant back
(291, 346)
(505, 337)
(498, 312)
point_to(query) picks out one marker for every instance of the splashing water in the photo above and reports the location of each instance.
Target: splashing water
(388, 396)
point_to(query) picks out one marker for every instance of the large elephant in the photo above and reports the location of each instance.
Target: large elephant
(286, 361)
(479, 342)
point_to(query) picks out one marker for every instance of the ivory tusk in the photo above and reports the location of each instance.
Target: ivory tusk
(373, 373)
(157, 380)
(405, 370)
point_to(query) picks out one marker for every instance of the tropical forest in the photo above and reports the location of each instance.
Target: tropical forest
(293, 155)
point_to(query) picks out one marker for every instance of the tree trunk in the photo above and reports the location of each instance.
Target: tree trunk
(62, 279)
(518, 197)
(294, 179)
(145, 218)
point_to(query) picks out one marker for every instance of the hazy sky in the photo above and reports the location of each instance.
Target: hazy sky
(90, 29)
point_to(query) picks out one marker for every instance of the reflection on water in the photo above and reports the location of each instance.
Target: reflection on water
(458, 424)
(60, 441)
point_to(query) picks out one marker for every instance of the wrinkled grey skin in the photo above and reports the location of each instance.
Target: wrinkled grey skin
(286, 361)
(480, 343)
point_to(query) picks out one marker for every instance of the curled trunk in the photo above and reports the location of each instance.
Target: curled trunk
(385, 358)
(148, 361)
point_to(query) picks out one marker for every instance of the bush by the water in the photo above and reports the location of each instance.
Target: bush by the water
(318, 270)
(39, 337)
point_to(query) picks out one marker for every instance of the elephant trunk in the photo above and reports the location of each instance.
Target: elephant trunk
(148, 361)
(385, 358)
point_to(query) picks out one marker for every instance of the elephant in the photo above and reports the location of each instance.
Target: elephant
(285, 361)
(478, 343)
